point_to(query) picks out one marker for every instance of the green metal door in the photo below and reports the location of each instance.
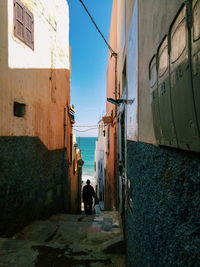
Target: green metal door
(181, 84)
(154, 98)
(168, 133)
(195, 36)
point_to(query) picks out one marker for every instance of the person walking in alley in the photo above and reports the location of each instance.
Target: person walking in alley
(88, 194)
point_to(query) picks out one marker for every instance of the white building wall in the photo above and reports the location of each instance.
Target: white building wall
(51, 36)
(100, 158)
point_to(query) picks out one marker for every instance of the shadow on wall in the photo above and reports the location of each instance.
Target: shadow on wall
(163, 220)
(33, 182)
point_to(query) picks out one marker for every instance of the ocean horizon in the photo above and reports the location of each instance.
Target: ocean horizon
(87, 147)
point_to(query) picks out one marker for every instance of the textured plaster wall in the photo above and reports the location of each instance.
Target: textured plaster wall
(154, 24)
(33, 164)
(51, 36)
(33, 182)
(132, 76)
(163, 222)
(110, 177)
(100, 158)
(124, 16)
(39, 78)
(45, 93)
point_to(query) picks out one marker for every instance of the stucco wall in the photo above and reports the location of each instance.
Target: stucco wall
(51, 36)
(132, 75)
(45, 94)
(39, 78)
(121, 38)
(110, 175)
(154, 23)
(111, 78)
(124, 17)
(163, 222)
(4, 36)
(33, 161)
(33, 182)
(100, 160)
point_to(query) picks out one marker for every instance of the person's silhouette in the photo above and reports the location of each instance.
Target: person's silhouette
(88, 194)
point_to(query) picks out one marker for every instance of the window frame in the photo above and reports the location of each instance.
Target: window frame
(180, 18)
(193, 11)
(151, 67)
(163, 47)
(182, 23)
(23, 38)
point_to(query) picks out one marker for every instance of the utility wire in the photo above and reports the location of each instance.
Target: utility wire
(91, 129)
(91, 126)
(87, 126)
(110, 48)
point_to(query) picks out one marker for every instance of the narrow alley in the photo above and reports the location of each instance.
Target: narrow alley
(99, 133)
(67, 240)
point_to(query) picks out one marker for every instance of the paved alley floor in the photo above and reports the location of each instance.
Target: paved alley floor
(66, 240)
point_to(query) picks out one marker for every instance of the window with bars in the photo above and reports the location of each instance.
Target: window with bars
(23, 24)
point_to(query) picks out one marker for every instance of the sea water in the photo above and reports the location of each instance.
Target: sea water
(87, 146)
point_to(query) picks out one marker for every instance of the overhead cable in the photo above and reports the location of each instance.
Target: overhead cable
(86, 130)
(109, 47)
(87, 126)
(91, 126)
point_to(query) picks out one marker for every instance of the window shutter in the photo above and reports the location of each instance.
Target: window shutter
(23, 24)
(19, 19)
(28, 28)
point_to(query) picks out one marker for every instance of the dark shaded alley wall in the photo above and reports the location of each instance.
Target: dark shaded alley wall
(32, 182)
(163, 222)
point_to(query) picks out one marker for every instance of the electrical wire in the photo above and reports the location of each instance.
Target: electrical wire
(87, 126)
(91, 126)
(91, 129)
(109, 47)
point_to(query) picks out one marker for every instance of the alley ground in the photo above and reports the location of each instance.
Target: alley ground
(67, 240)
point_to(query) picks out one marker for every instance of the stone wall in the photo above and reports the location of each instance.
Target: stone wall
(163, 222)
(33, 182)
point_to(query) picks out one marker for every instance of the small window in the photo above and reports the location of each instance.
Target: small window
(178, 41)
(153, 72)
(196, 21)
(19, 109)
(23, 24)
(163, 58)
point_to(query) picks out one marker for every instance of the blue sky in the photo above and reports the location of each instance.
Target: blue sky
(89, 61)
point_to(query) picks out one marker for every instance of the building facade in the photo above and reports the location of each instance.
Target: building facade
(75, 177)
(34, 119)
(158, 130)
(100, 162)
(110, 120)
